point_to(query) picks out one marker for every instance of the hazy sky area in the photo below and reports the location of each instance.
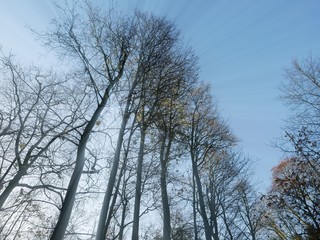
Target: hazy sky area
(243, 47)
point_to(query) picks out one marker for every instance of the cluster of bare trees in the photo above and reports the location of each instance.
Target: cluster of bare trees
(127, 144)
(129, 135)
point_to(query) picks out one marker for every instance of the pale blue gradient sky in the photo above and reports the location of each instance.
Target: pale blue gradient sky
(243, 47)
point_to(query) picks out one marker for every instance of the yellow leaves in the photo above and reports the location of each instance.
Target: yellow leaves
(139, 117)
(22, 146)
(140, 114)
(166, 103)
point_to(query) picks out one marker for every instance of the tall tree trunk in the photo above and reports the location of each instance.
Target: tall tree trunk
(225, 219)
(247, 210)
(124, 200)
(194, 207)
(208, 231)
(123, 218)
(136, 213)
(213, 209)
(12, 184)
(114, 199)
(67, 205)
(101, 231)
(214, 220)
(121, 174)
(164, 158)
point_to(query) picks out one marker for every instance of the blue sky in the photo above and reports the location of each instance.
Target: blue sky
(243, 48)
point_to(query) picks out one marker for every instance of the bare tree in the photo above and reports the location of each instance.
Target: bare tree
(206, 137)
(301, 91)
(144, 57)
(141, 62)
(35, 118)
(100, 43)
(251, 210)
(166, 67)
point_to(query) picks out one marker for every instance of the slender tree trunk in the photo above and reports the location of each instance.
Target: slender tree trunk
(226, 221)
(12, 184)
(136, 213)
(124, 200)
(213, 218)
(208, 231)
(67, 205)
(213, 207)
(114, 199)
(194, 207)
(164, 158)
(247, 206)
(123, 218)
(122, 171)
(101, 231)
